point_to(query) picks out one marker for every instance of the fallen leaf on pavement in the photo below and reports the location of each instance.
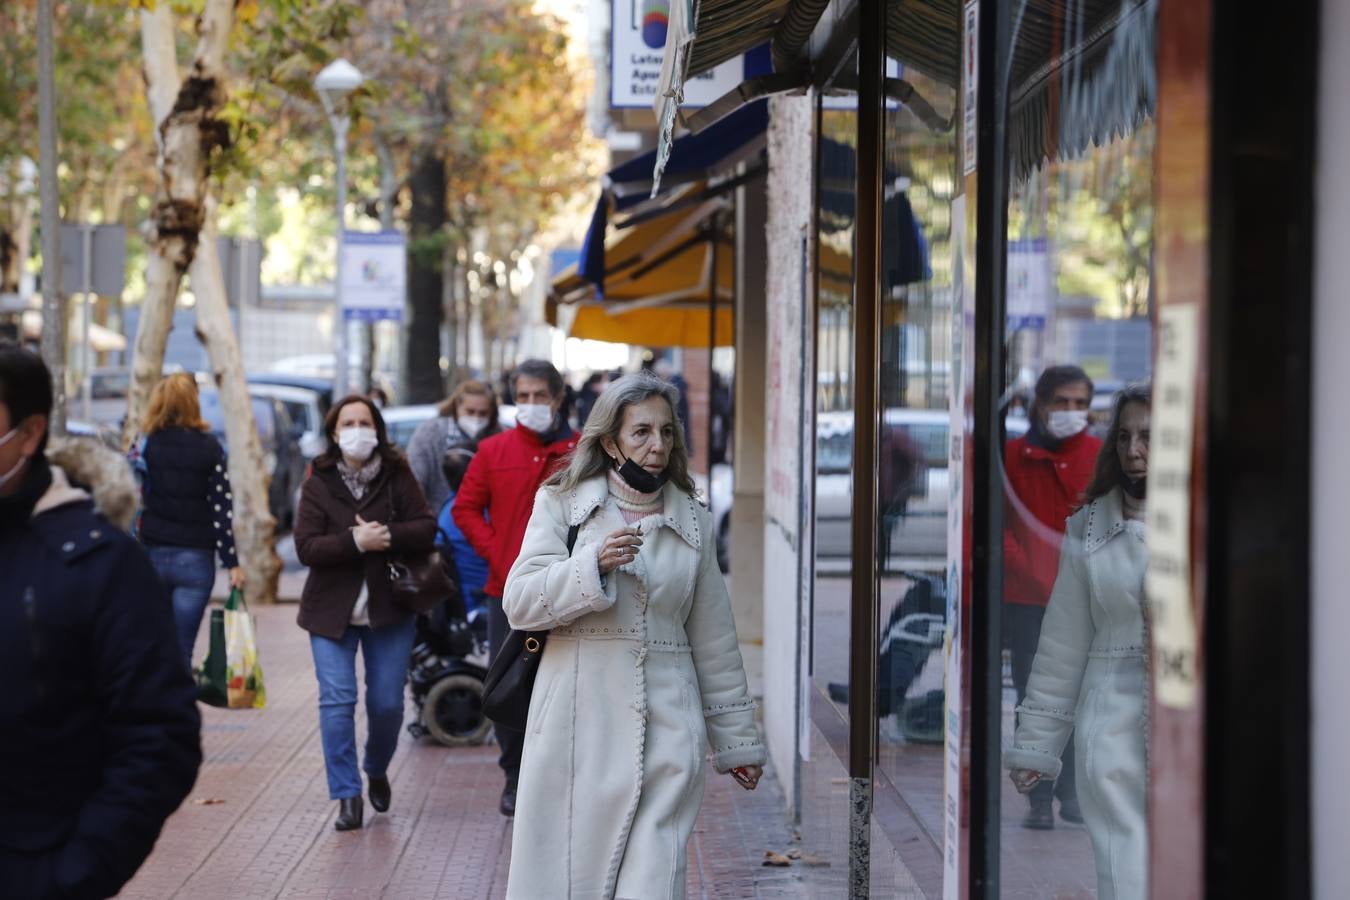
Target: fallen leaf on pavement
(775, 859)
(794, 853)
(208, 801)
(814, 861)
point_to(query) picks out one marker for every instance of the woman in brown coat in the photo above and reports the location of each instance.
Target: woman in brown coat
(360, 508)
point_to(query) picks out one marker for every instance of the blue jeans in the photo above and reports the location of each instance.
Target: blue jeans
(189, 573)
(386, 652)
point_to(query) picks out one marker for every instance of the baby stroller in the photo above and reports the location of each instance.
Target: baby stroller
(446, 670)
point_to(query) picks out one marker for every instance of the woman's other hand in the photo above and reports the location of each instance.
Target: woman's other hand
(747, 776)
(370, 536)
(237, 577)
(619, 548)
(1025, 779)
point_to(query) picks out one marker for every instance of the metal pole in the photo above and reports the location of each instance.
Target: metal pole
(712, 348)
(863, 630)
(87, 290)
(340, 379)
(53, 309)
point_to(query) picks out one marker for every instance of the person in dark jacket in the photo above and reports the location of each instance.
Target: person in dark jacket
(360, 508)
(186, 514)
(101, 734)
(494, 503)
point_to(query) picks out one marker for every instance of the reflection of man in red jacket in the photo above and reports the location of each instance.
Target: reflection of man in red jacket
(1048, 468)
(494, 503)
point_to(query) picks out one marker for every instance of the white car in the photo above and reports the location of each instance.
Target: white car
(305, 408)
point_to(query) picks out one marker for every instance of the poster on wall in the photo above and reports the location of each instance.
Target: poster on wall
(970, 71)
(373, 273)
(1167, 581)
(956, 568)
(637, 45)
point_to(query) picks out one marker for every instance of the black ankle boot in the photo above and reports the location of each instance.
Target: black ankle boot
(379, 793)
(349, 814)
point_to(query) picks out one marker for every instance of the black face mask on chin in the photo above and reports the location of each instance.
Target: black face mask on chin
(639, 479)
(1135, 487)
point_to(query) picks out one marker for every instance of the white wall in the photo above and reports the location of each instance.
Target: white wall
(1331, 435)
(787, 374)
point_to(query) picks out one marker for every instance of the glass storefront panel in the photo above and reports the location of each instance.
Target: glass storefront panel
(1078, 333)
(824, 775)
(913, 441)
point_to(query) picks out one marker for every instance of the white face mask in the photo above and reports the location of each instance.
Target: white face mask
(358, 443)
(1065, 423)
(472, 426)
(6, 477)
(535, 416)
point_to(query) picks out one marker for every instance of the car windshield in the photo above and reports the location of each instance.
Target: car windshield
(214, 416)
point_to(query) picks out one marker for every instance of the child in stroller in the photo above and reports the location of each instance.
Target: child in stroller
(450, 650)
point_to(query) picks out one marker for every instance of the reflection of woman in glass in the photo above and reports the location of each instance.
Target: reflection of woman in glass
(1089, 674)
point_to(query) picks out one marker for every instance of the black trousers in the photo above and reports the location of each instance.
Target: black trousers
(1022, 628)
(511, 740)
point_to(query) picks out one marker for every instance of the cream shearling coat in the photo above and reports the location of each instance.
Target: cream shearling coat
(641, 672)
(1089, 677)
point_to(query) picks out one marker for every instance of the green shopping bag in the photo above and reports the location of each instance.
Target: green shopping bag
(231, 676)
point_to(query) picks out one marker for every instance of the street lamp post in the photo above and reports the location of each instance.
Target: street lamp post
(334, 85)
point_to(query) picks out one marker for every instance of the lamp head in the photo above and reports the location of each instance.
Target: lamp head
(338, 79)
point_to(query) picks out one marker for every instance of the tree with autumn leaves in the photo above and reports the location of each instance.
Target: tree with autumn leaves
(473, 122)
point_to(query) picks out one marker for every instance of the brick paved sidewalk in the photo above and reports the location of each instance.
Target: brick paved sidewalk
(259, 823)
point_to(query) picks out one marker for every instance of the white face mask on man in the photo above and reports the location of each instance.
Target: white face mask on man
(6, 477)
(537, 417)
(1065, 423)
(357, 443)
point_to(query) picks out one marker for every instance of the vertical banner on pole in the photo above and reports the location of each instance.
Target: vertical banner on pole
(374, 275)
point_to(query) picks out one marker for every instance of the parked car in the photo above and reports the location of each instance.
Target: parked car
(402, 421)
(306, 408)
(323, 387)
(281, 453)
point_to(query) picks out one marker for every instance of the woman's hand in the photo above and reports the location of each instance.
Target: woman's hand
(619, 548)
(237, 577)
(747, 776)
(370, 536)
(1025, 779)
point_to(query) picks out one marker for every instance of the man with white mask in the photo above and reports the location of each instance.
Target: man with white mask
(494, 503)
(1047, 471)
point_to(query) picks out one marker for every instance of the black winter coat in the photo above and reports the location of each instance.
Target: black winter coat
(98, 716)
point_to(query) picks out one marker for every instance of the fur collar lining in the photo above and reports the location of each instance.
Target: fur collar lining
(86, 461)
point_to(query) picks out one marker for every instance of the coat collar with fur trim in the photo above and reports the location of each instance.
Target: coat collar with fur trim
(680, 511)
(80, 461)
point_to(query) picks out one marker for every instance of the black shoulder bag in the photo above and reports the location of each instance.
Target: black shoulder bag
(510, 678)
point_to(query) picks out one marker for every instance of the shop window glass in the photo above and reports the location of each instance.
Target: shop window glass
(1078, 333)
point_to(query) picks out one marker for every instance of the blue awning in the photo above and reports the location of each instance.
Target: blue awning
(693, 155)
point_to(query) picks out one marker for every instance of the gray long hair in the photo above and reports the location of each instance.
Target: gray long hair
(590, 459)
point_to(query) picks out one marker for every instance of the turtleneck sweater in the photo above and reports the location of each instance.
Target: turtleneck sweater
(633, 505)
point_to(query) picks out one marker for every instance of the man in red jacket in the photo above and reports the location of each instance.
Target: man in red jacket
(494, 503)
(1048, 469)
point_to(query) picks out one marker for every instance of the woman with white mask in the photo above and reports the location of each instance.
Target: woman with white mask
(470, 414)
(360, 509)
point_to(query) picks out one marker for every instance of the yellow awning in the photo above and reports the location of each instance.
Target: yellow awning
(658, 282)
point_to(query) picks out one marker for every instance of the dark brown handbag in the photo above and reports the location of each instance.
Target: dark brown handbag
(510, 679)
(417, 581)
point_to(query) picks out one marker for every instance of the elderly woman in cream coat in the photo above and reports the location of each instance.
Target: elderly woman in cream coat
(641, 673)
(1089, 672)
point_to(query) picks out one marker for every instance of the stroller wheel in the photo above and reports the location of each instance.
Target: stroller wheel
(453, 711)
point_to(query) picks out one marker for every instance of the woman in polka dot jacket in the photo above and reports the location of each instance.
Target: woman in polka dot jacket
(185, 495)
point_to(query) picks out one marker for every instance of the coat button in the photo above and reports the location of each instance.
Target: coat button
(68, 546)
(95, 534)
